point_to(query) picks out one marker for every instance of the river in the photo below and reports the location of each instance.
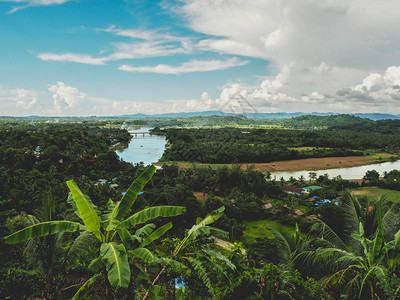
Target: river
(149, 148)
(143, 148)
(346, 173)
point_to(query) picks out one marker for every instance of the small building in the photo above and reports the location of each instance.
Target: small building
(290, 189)
(309, 189)
(281, 209)
(267, 206)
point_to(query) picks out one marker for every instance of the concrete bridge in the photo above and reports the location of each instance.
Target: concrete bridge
(140, 133)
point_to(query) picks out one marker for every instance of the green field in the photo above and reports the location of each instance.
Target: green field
(260, 229)
(375, 192)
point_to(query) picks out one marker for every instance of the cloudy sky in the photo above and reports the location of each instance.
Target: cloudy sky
(99, 57)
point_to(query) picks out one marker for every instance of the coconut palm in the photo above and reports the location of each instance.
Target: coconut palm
(200, 229)
(43, 252)
(112, 230)
(367, 258)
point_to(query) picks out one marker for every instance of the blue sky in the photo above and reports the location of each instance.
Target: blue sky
(88, 57)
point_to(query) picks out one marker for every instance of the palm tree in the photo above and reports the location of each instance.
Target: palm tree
(364, 260)
(43, 252)
(111, 230)
(198, 230)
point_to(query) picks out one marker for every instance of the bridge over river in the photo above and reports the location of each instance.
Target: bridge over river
(140, 133)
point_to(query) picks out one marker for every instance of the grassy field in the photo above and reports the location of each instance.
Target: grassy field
(375, 192)
(259, 229)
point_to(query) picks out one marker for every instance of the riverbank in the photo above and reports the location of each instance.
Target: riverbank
(118, 146)
(308, 164)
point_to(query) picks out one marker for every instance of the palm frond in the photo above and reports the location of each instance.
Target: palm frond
(86, 286)
(325, 232)
(202, 272)
(80, 244)
(219, 256)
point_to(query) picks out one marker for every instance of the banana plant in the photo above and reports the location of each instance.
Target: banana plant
(112, 230)
(199, 229)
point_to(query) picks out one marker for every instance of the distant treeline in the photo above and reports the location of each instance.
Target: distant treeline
(231, 145)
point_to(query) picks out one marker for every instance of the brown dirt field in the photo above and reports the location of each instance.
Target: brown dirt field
(311, 164)
(365, 193)
(308, 164)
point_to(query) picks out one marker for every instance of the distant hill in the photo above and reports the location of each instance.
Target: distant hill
(186, 115)
(376, 117)
(279, 115)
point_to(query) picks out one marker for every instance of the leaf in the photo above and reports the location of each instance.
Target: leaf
(86, 210)
(86, 285)
(132, 192)
(112, 220)
(201, 270)
(96, 264)
(114, 257)
(218, 255)
(397, 238)
(42, 229)
(146, 230)
(171, 262)
(378, 272)
(156, 234)
(125, 236)
(143, 254)
(71, 201)
(379, 239)
(154, 292)
(80, 244)
(194, 231)
(151, 213)
(212, 217)
(208, 230)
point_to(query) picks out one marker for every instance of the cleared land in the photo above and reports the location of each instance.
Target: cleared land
(375, 192)
(308, 164)
(261, 229)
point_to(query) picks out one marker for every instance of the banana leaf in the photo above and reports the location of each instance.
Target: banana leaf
(131, 194)
(143, 254)
(86, 285)
(86, 210)
(156, 234)
(115, 258)
(43, 229)
(151, 213)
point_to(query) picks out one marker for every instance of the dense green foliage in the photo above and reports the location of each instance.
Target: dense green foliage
(97, 242)
(232, 145)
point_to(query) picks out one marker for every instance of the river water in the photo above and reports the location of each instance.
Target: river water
(346, 173)
(150, 148)
(146, 149)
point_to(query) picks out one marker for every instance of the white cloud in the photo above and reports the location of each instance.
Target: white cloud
(345, 38)
(67, 99)
(70, 57)
(188, 67)
(144, 44)
(375, 93)
(19, 102)
(29, 3)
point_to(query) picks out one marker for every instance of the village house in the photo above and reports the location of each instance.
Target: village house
(290, 189)
(308, 189)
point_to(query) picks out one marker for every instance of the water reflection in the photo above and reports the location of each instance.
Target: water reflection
(345, 173)
(143, 148)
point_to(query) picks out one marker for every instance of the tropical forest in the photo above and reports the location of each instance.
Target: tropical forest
(219, 215)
